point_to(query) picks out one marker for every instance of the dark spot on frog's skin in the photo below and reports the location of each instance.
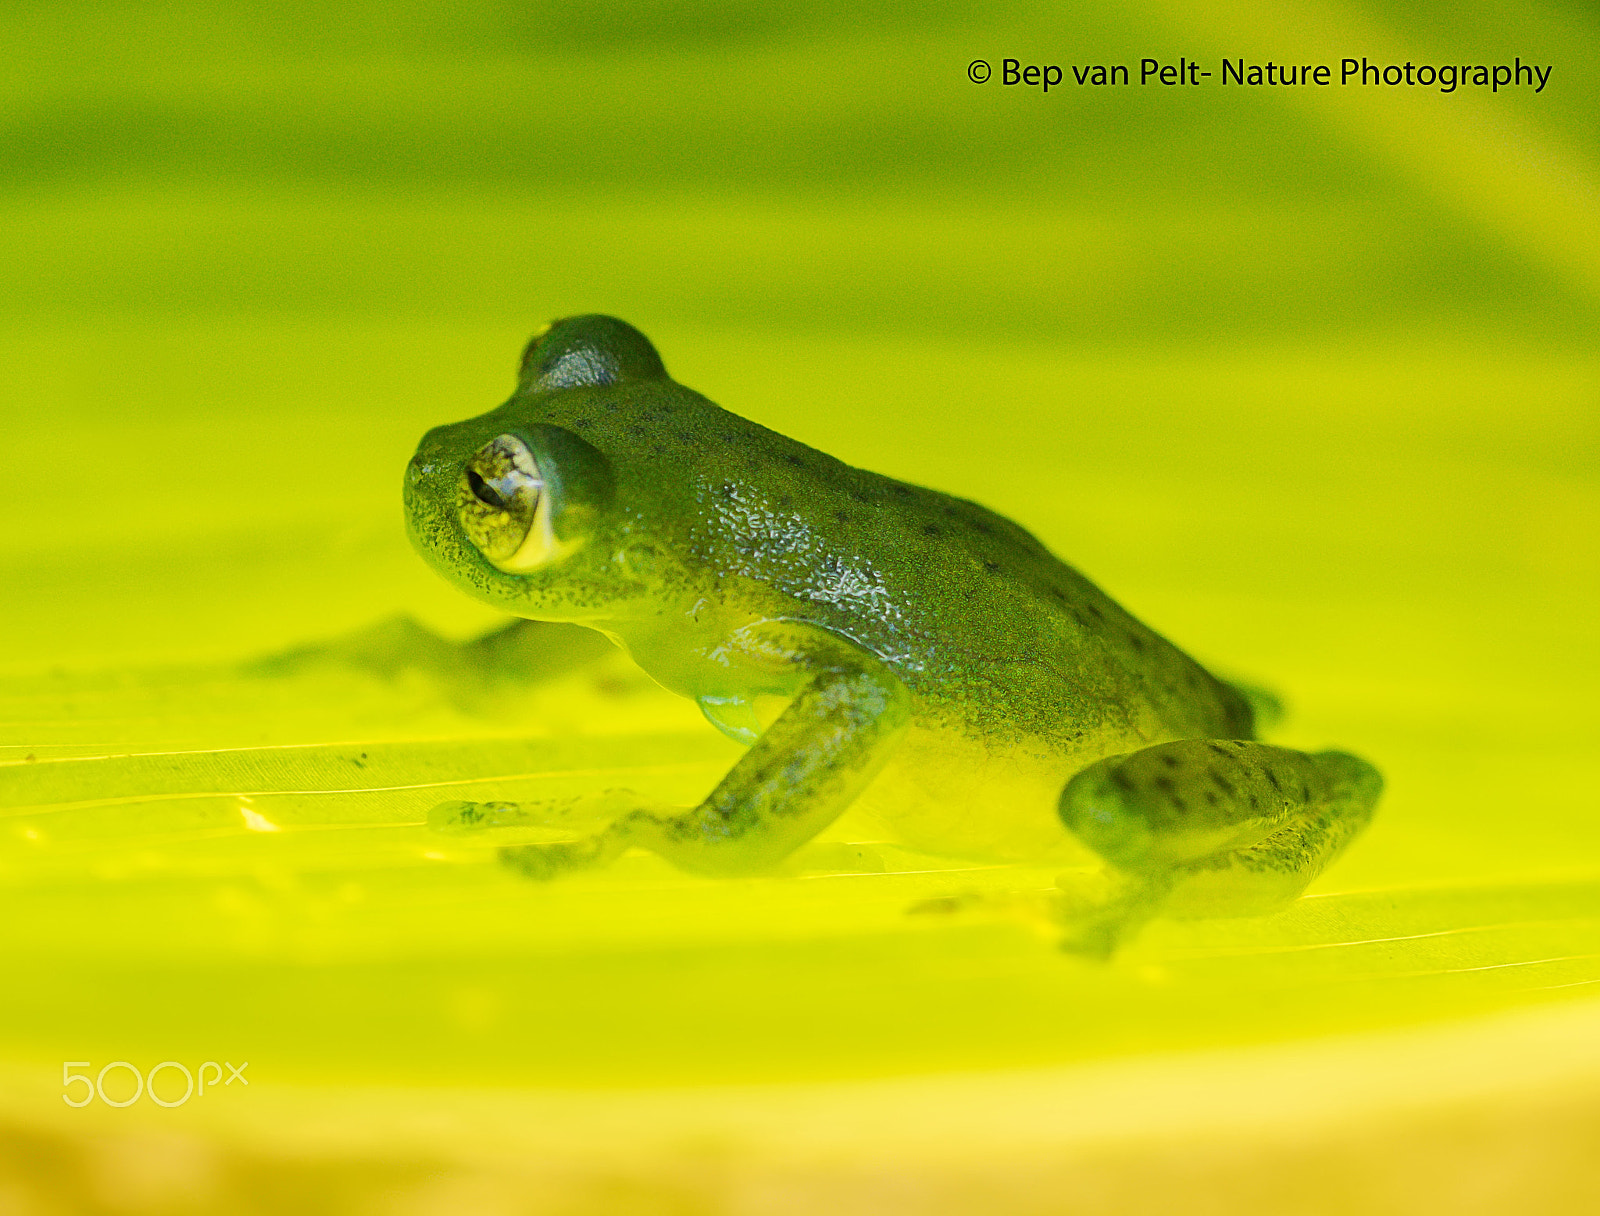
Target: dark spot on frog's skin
(636, 429)
(1136, 642)
(1305, 792)
(1211, 798)
(583, 424)
(1181, 805)
(658, 449)
(1094, 610)
(930, 530)
(1164, 784)
(904, 491)
(794, 460)
(361, 762)
(1272, 780)
(843, 517)
(1217, 780)
(1255, 803)
(981, 528)
(1220, 750)
(992, 567)
(1169, 760)
(1121, 781)
(862, 497)
(730, 439)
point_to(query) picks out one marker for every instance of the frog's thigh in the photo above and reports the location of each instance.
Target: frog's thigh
(1232, 826)
(946, 793)
(797, 779)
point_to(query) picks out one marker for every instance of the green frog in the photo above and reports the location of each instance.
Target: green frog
(871, 642)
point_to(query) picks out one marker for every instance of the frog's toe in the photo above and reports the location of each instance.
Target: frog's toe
(454, 818)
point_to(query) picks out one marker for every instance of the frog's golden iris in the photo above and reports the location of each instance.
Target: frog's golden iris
(504, 508)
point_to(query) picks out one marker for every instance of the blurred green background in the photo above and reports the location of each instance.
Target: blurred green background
(1305, 377)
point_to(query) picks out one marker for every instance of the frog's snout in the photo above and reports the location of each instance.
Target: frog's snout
(416, 471)
(424, 465)
(419, 472)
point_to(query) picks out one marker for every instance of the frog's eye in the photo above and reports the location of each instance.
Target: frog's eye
(504, 506)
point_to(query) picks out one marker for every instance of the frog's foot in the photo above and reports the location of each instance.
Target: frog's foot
(1211, 827)
(1094, 921)
(670, 832)
(1086, 914)
(697, 840)
(617, 812)
(578, 813)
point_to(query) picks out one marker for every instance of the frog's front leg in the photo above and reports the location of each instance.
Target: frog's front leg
(1212, 827)
(798, 777)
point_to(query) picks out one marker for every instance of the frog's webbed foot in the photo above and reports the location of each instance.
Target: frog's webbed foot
(1094, 922)
(1086, 914)
(671, 832)
(1208, 827)
(578, 813)
(611, 811)
(643, 826)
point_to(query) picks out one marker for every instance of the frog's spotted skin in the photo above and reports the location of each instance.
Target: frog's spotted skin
(856, 631)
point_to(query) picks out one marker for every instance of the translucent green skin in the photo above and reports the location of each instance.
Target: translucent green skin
(971, 672)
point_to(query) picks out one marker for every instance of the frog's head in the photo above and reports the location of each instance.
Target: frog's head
(516, 507)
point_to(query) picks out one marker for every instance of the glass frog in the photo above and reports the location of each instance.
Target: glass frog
(866, 639)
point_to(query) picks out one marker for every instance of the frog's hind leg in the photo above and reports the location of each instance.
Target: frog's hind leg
(1213, 827)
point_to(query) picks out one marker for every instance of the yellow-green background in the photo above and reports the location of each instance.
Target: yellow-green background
(1306, 378)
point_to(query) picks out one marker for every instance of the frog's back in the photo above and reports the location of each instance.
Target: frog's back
(991, 631)
(1012, 639)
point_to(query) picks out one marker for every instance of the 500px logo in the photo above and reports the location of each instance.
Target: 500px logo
(123, 1074)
